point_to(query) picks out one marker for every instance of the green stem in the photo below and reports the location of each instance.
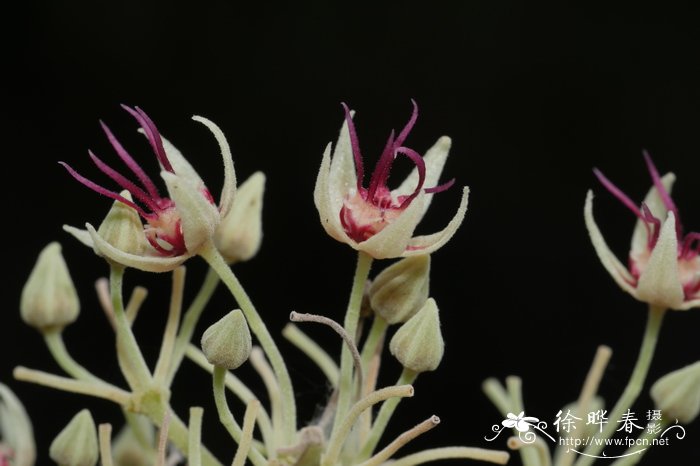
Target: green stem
(179, 435)
(514, 385)
(646, 438)
(226, 417)
(352, 316)
(374, 338)
(131, 360)
(634, 386)
(213, 257)
(385, 412)
(164, 362)
(189, 322)
(54, 341)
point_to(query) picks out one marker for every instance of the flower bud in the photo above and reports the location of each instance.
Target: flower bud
(76, 444)
(401, 289)
(418, 344)
(49, 299)
(239, 235)
(127, 450)
(227, 343)
(677, 394)
(16, 433)
(122, 228)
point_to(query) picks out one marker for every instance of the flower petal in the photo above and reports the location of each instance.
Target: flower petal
(689, 304)
(660, 283)
(145, 263)
(640, 236)
(228, 191)
(614, 267)
(427, 244)
(81, 235)
(178, 162)
(330, 218)
(342, 176)
(199, 218)
(393, 240)
(434, 159)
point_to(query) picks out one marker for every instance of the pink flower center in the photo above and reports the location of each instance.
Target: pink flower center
(688, 244)
(163, 230)
(367, 211)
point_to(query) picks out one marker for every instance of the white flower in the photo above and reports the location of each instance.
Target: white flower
(664, 265)
(377, 220)
(177, 226)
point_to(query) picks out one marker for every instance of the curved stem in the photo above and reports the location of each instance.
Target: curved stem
(444, 453)
(314, 352)
(131, 360)
(213, 257)
(385, 412)
(57, 348)
(65, 384)
(634, 386)
(189, 321)
(335, 444)
(352, 316)
(226, 417)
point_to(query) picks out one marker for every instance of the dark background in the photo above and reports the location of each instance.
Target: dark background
(534, 94)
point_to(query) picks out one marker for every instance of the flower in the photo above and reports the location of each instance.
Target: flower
(376, 220)
(520, 422)
(177, 226)
(664, 266)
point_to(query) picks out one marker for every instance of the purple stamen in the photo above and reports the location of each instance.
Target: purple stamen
(420, 165)
(440, 188)
(691, 238)
(131, 163)
(152, 134)
(615, 191)
(409, 126)
(105, 192)
(665, 197)
(137, 192)
(652, 232)
(355, 145)
(383, 167)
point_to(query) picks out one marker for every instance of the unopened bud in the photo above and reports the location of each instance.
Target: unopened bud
(227, 343)
(677, 394)
(76, 444)
(239, 235)
(418, 344)
(128, 450)
(401, 289)
(122, 228)
(49, 299)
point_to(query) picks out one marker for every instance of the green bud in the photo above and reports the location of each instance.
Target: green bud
(49, 299)
(418, 344)
(127, 450)
(122, 228)
(16, 433)
(76, 444)
(239, 235)
(401, 289)
(677, 394)
(227, 343)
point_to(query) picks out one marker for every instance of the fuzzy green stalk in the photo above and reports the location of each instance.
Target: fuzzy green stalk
(352, 317)
(226, 417)
(57, 348)
(634, 386)
(131, 360)
(189, 321)
(407, 377)
(374, 338)
(256, 324)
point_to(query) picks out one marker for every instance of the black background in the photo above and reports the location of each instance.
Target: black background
(534, 94)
